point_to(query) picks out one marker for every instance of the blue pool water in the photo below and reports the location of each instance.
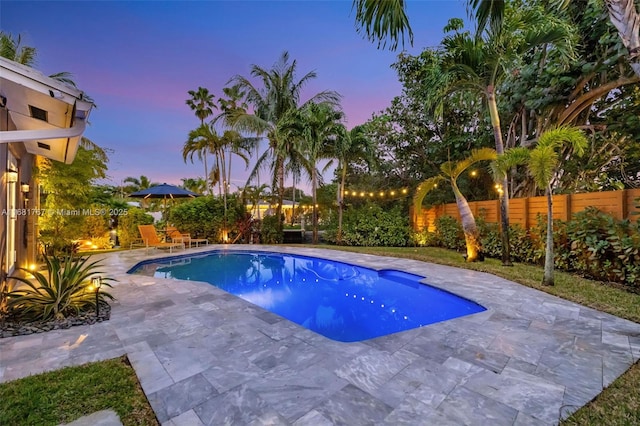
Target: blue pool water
(343, 302)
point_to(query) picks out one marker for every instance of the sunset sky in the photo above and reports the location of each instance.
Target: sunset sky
(137, 60)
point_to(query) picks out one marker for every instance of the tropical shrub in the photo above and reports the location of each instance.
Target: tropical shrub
(269, 233)
(128, 225)
(96, 225)
(592, 243)
(64, 291)
(424, 238)
(203, 217)
(604, 248)
(449, 233)
(371, 225)
(523, 247)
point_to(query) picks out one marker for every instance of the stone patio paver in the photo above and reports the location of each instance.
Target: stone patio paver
(205, 357)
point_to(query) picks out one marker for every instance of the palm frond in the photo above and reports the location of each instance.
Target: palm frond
(423, 189)
(382, 20)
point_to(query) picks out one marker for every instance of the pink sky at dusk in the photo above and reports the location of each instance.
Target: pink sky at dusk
(139, 59)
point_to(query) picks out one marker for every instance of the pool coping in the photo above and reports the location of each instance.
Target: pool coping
(204, 356)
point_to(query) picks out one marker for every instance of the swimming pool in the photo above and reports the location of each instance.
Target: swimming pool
(343, 302)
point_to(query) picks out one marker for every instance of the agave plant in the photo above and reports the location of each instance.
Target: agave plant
(65, 290)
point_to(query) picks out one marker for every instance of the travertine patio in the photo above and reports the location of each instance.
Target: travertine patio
(206, 357)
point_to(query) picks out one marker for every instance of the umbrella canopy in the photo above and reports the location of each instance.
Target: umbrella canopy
(164, 191)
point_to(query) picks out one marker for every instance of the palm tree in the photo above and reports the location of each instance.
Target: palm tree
(472, 63)
(451, 171)
(11, 49)
(197, 185)
(622, 14)
(138, 184)
(320, 128)
(350, 145)
(202, 141)
(542, 164)
(201, 102)
(273, 102)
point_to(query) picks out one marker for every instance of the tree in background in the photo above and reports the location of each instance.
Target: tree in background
(273, 102)
(197, 185)
(320, 127)
(67, 188)
(201, 102)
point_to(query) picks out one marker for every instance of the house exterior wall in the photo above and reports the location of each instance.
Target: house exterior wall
(24, 235)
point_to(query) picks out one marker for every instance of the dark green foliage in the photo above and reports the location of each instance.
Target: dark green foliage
(604, 248)
(371, 225)
(64, 291)
(269, 233)
(203, 217)
(523, 247)
(449, 233)
(128, 225)
(592, 243)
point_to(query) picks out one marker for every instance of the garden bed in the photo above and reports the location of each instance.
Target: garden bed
(10, 327)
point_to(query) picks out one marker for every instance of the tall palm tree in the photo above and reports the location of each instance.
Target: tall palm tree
(278, 94)
(320, 127)
(201, 102)
(350, 145)
(472, 63)
(623, 14)
(202, 141)
(542, 164)
(450, 172)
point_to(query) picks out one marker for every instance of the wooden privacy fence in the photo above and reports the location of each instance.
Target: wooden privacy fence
(524, 211)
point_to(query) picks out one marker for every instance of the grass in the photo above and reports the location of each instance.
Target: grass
(65, 395)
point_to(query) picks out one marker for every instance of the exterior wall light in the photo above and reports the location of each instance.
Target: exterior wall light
(12, 176)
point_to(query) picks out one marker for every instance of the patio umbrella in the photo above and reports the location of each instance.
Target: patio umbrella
(164, 191)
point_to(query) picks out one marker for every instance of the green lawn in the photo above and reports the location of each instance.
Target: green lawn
(64, 395)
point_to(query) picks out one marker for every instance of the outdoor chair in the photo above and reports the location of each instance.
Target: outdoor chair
(177, 236)
(150, 239)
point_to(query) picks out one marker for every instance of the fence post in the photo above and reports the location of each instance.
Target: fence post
(567, 202)
(624, 203)
(525, 208)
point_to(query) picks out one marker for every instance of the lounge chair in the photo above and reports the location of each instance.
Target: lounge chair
(150, 239)
(181, 237)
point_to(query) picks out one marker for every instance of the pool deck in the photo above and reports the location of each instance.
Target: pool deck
(204, 356)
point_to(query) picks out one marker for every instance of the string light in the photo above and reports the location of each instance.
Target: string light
(403, 192)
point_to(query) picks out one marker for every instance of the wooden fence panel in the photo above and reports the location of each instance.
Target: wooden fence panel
(525, 211)
(611, 202)
(518, 208)
(490, 210)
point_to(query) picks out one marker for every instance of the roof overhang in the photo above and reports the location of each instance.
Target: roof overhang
(47, 116)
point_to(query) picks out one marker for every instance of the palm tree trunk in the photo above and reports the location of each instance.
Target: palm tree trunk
(314, 188)
(625, 17)
(341, 204)
(548, 257)
(471, 235)
(206, 172)
(280, 194)
(504, 200)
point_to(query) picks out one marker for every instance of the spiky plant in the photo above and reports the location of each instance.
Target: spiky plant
(65, 290)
